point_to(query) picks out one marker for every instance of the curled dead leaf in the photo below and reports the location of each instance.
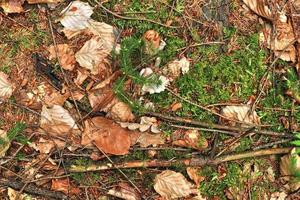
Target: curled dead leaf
(6, 87)
(173, 185)
(106, 135)
(121, 112)
(147, 139)
(65, 55)
(43, 145)
(177, 67)
(194, 174)
(152, 42)
(240, 113)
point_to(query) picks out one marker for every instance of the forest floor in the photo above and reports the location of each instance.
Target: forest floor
(153, 99)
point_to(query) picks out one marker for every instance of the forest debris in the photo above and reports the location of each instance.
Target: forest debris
(177, 67)
(57, 121)
(65, 55)
(190, 139)
(124, 191)
(146, 123)
(290, 168)
(43, 145)
(12, 6)
(82, 75)
(147, 139)
(152, 87)
(4, 143)
(106, 135)
(260, 8)
(14, 195)
(93, 56)
(170, 185)
(63, 185)
(176, 106)
(194, 174)
(76, 15)
(295, 11)
(240, 113)
(44, 1)
(121, 112)
(6, 87)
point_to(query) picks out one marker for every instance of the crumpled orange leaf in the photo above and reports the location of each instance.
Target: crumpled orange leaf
(106, 135)
(121, 112)
(63, 185)
(65, 54)
(193, 173)
(152, 41)
(173, 185)
(43, 145)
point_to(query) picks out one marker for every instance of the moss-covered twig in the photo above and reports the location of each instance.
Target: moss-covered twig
(216, 126)
(201, 161)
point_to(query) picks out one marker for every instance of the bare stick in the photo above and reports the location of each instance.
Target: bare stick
(32, 189)
(200, 161)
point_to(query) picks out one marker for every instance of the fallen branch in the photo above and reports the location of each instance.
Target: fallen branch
(216, 126)
(201, 161)
(32, 189)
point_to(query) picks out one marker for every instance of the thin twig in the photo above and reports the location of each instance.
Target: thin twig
(273, 143)
(215, 126)
(200, 161)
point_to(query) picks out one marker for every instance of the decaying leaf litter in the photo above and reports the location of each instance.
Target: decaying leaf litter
(107, 90)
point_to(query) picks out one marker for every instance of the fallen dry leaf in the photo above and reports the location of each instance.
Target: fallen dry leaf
(194, 174)
(295, 16)
(240, 113)
(289, 166)
(4, 143)
(76, 16)
(57, 121)
(121, 112)
(281, 43)
(176, 67)
(124, 191)
(172, 185)
(107, 136)
(100, 98)
(94, 56)
(190, 139)
(6, 87)
(65, 54)
(63, 185)
(278, 196)
(147, 139)
(12, 6)
(82, 75)
(260, 8)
